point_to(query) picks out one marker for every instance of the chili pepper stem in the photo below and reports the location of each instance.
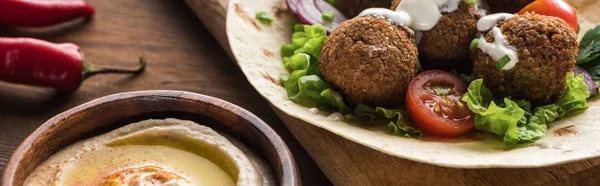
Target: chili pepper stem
(90, 69)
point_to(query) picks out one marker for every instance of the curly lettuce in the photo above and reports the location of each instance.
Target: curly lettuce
(515, 119)
(365, 115)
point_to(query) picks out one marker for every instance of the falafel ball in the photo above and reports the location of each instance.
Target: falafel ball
(446, 45)
(508, 6)
(351, 8)
(546, 47)
(370, 61)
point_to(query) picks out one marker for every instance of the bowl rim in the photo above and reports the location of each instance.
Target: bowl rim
(290, 173)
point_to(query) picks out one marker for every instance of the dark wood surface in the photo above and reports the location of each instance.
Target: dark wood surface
(182, 55)
(111, 112)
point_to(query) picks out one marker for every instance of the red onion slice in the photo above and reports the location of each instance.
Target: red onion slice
(310, 11)
(587, 77)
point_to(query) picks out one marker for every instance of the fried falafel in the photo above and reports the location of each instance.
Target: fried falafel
(508, 6)
(546, 48)
(446, 44)
(370, 61)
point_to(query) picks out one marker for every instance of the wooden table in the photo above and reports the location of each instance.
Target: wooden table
(181, 53)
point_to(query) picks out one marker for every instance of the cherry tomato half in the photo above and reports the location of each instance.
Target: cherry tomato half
(556, 8)
(434, 103)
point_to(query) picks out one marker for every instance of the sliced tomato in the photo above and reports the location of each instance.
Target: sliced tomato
(556, 8)
(434, 103)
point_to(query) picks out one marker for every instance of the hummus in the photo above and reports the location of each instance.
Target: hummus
(155, 152)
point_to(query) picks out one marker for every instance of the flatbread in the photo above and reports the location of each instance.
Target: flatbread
(256, 49)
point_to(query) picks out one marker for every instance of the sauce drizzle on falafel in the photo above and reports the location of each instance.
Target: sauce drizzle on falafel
(416, 14)
(398, 18)
(488, 22)
(500, 48)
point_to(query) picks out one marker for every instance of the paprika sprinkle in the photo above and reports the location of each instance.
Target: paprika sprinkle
(39, 13)
(40, 63)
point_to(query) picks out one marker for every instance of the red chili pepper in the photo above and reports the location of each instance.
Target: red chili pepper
(38, 13)
(40, 63)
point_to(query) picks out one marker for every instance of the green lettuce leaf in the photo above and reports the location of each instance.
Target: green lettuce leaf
(365, 115)
(400, 127)
(478, 97)
(515, 119)
(333, 101)
(574, 100)
(527, 130)
(312, 91)
(499, 118)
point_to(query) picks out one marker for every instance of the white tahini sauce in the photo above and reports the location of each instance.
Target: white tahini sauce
(338, 97)
(305, 79)
(313, 110)
(447, 6)
(500, 47)
(399, 18)
(488, 22)
(559, 146)
(545, 144)
(415, 14)
(336, 117)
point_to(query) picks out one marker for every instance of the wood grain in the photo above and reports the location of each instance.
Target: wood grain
(213, 15)
(112, 112)
(181, 53)
(348, 163)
